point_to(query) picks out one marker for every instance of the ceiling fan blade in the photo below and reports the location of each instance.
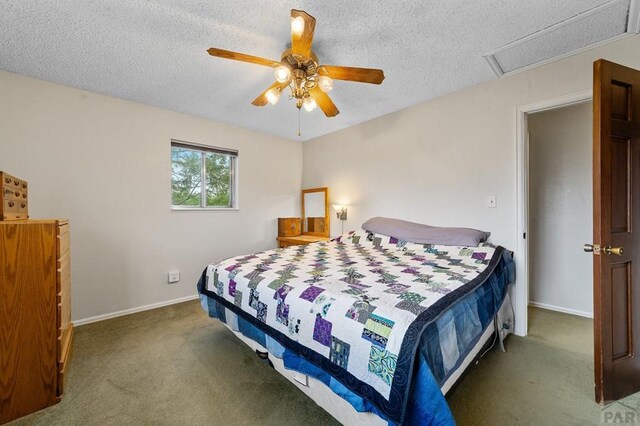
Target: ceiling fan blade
(324, 102)
(262, 100)
(228, 54)
(362, 75)
(301, 38)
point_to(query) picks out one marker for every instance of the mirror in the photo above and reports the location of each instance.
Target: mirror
(315, 212)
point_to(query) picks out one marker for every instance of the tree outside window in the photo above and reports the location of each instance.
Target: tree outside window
(202, 177)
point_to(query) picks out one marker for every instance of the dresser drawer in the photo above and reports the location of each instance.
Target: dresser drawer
(7, 180)
(63, 321)
(10, 193)
(64, 275)
(65, 348)
(9, 206)
(63, 239)
(9, 210)
(23, 207)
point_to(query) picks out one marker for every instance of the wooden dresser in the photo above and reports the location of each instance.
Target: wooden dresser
(36, 332)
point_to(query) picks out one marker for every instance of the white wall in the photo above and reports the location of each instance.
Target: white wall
(105, 164)
(436, 162)
(560, 208)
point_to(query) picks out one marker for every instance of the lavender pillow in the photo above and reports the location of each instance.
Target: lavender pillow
(425, 234)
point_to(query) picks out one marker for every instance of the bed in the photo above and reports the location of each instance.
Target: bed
(375, 329)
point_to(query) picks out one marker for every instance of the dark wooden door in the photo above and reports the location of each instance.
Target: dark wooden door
(616, 214)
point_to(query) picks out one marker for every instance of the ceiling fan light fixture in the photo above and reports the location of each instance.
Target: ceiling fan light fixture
(297, 26)
(273, 96)
(282, 73)
(325, 83)
(309, 104)
(299, 70)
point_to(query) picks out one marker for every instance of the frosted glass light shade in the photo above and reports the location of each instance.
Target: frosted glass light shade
(273, 96)
(282, 73)
(325, 84)
(309, 104)
(297, 26)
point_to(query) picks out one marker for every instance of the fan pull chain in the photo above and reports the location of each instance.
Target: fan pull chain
(298, 121)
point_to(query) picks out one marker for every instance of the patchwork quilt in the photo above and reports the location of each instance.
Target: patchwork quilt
(355, 306)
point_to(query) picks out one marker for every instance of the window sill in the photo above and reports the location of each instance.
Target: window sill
(207, 209)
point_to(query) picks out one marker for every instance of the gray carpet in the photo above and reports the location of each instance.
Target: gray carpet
(176, 366)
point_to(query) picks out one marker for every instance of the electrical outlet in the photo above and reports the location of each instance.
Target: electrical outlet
(174, 277)
(491, 202)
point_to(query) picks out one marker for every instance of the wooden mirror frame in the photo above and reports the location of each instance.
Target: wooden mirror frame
(327, 221)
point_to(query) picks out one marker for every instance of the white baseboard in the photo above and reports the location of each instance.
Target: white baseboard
(133, 310)
(561, 309)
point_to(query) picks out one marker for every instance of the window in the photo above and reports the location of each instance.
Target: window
(203, 177)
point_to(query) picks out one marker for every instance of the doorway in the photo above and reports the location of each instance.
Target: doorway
(560, 201)
(547, 294)
(616, 218)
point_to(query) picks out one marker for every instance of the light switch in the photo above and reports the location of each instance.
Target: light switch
(491, 202)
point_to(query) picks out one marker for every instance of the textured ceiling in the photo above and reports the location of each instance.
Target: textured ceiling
(153, 52)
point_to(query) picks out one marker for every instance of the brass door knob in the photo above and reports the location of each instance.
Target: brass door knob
(618, 251)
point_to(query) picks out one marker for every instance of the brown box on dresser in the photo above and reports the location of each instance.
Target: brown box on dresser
(289, 226)
(316, 224)
(15, 197)
(35, 315)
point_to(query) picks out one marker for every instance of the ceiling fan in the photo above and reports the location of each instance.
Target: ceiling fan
(298, 69)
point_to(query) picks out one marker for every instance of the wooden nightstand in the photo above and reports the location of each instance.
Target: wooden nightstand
(299, 240)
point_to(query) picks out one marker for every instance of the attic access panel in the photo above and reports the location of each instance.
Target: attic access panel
(588, 29)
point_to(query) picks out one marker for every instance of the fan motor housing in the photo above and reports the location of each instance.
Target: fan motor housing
(296, 61)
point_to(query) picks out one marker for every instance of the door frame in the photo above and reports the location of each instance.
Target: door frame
(521, 288)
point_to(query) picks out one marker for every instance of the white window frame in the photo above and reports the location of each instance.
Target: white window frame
(233, 175)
